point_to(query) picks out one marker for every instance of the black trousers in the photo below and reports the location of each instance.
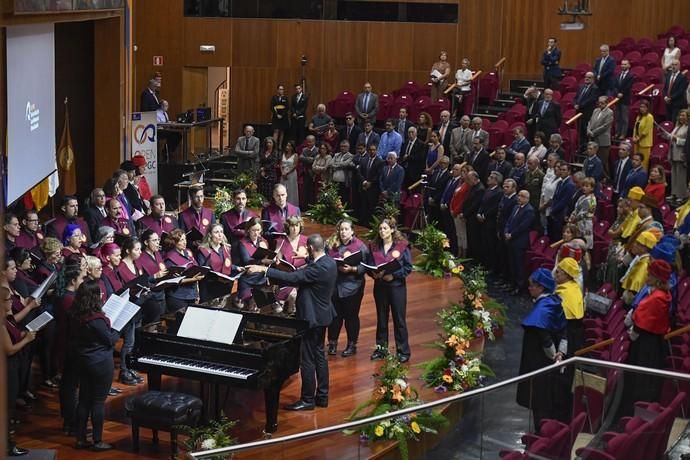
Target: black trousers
(68, 392)
(517, 265)
(94, 384)
(448, 227)
(489, 245)
(347, 309)
(391, 299)
(314, 366)
(370, 200)
(46, 351)
(14, 367)
(152, 309)
(174, 304)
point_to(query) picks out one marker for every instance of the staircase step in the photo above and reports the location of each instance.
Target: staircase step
(488, 116)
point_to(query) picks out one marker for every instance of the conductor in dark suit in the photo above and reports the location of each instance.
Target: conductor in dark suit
(149, 100)
(675, 85)
(546, 115)
(316, 283)
(298, 111)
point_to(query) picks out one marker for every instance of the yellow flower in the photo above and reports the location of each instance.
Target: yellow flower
(456, 270)
(460, 350)
(378, 431)
(445, 243)
(447, 378)
(415, 427)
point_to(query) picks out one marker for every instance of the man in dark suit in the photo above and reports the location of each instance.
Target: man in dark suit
(479, 159)
(621, 170)
(350, 131)
(560, 201)
(370, 173)
(413, 157)
(459, 146)
(504, 211)
(516, 234)
(148, 102)
(584, 102)
(434, 189)
(298, 112)
(402, 124)
(486, 217)
(637, 177)
(531, 98)
(445, 130)
(447, 222)
(520, 144)
(546, 115)
(392, 176)
(500, 164)
(604, 68)
(366, 105)
(675, 85)
(316, 283)
(555, 146)
(623, 88)
(470, 209)
(95, 213)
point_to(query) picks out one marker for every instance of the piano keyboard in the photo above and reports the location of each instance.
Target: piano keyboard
(198, 366)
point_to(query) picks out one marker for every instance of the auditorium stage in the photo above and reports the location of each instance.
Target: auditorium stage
(350, 378)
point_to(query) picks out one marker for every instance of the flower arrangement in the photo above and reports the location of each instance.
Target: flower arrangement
(245, 181)
(386, 210)
(212, 436)
(475, 317)
(434, 260)
(329, 208)
(392, 393)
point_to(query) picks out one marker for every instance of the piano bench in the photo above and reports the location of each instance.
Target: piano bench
(164, 411)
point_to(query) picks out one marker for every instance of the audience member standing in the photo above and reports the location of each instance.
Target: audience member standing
(288, 171)
(298, 112)
(599, 131)
(679, 167)
(643, 137)
(675, 85)
(268, 164)
(604, 67)
(486, 216)
(551, 60)
(367, 105)
(584, 102)
(671, 53)
(546, 116)
(370, 169)
(516, 233)
(247, 150)
(440, 72)
(623, 90)
(280, 116)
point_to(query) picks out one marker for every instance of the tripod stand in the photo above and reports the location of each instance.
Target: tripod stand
(420, 221)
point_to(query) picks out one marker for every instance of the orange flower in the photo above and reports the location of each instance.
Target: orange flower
(446, 243)
(448, 379)
(478, 303)
(452, 341)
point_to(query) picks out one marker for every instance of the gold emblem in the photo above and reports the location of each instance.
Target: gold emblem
(189, 253)
(346, 254)
(227, 262)
(161, 266)
(39, 236)
(395, 253)
(205, 221)
(125, 231)
(168, 219)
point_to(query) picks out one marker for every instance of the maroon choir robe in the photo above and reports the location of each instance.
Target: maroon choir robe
(231, 219)
(150, 264)
(28, 239)
(379, 257)
(121, 226)
(57, 227)
(288, 254)
(218, 261)
(158, 224)
(278, 216)
(190, 218)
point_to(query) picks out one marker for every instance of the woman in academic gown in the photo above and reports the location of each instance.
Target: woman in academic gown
(543, 328)
(349, 291)
(152, 264)
(245, 253)
(177, 255)
(214, 252)
(292, 248)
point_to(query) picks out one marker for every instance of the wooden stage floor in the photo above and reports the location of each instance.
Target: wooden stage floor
(351, 383)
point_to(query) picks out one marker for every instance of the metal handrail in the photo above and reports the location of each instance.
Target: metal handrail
(430, 405)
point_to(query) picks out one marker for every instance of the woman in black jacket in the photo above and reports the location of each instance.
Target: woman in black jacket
(94, 341)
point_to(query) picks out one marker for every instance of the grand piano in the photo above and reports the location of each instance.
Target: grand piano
(265, 353)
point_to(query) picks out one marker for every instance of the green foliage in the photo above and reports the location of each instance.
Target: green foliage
(434, 259)
(245, 181)
(329, 208)
(214, 435)
(393, 393)
(385, 211)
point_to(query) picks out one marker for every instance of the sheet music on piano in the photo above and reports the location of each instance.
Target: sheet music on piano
(213, 325)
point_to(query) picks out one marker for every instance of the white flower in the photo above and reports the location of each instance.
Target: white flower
(401, 383)
(208, 444)
(464, 368)
(451, 263)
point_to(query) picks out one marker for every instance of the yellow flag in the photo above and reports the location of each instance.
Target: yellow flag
(39, 194)
(65, 159)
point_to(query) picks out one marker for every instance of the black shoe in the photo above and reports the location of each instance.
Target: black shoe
(332, 348)
(350, 350)
(127, 379)
(67, 429)
(321, 403)
(403, 358)
(101, 446)
(136, 375)
(300, 405)
(114, 391)
(17, 452)
(378, 354)
(83, 445)
(29, 396)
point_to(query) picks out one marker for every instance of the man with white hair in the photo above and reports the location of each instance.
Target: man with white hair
(584, 102)
(149, 102)
(604, 67)
(392, 176)
(247, 149)
(366, 105)
(319, 122)
(675, 85)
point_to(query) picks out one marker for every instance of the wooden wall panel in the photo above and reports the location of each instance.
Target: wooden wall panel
(207, 31)
(389, 46)
(342, 55)
(109, 101)
(254, 43)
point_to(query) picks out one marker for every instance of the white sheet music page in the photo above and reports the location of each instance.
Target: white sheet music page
(212, 325)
